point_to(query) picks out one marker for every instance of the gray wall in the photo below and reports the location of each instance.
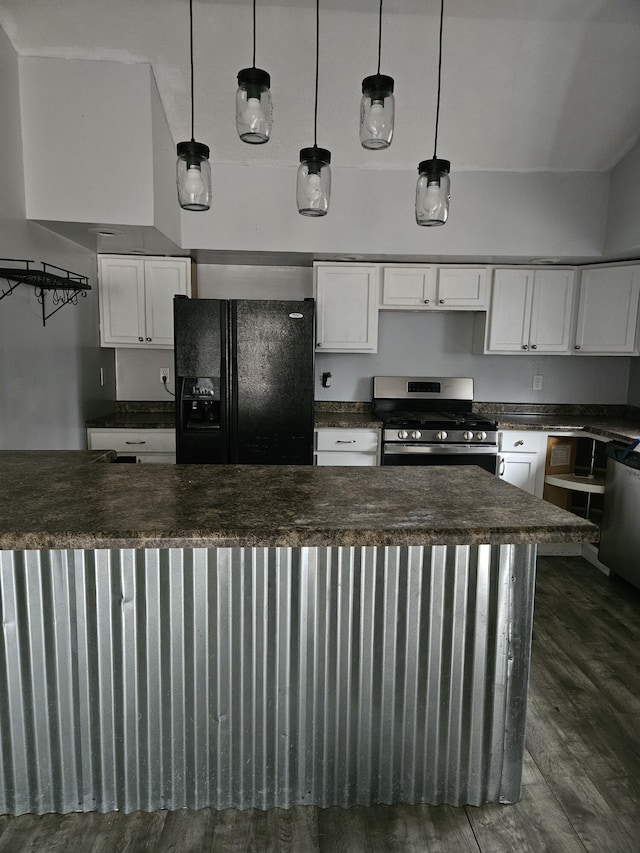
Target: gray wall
(409, 343)
(49, 376)
(623, 220)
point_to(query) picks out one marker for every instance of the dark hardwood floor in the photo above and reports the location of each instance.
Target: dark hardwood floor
(581, 787)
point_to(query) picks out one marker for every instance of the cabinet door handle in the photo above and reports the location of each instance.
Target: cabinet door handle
(534, 346)
(344, 441)
(135, 442)
(577, 346)
(318, 344)
(441, 301)
(426, 301)
(502, 466)
(140, 339)
(524, 346)
(148, 339)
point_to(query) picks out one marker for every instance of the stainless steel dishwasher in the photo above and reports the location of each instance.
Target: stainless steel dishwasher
(620, 534)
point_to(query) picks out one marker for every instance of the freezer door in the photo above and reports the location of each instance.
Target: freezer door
(201, 371)
(199, 329)
(272, 351)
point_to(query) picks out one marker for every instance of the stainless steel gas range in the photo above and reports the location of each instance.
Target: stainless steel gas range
(430, 421)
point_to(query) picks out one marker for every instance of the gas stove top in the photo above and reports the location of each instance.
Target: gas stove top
(433, 420)
(429, 410)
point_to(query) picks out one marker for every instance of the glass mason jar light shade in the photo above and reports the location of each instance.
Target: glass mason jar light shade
(313, 188)
(433, 192)
(193, 176)
(253, 106)
(376, 111)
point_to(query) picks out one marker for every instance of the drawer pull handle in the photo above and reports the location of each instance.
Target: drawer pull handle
(502, 466)
(518, 443)
(344, 441)
(135, 442)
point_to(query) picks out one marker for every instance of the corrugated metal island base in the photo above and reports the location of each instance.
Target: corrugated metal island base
(263, 675)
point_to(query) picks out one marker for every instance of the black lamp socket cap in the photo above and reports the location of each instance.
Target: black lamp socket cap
(315, 155)
(434, 166)
(378, 84)
(193, 151)
(254, 77)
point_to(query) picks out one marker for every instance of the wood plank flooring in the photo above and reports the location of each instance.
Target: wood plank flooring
(581, 788)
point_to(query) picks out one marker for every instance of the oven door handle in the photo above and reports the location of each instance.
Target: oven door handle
(441, 449)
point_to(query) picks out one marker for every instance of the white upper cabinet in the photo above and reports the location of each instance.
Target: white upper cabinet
(136, 299)
(346, 307)
(427, 287)
(607, 310)
(531, 311)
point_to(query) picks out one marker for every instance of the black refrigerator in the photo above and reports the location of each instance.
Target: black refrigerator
(244, 381)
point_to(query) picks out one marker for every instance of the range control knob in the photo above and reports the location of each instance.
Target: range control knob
(468, 436)
(416, 434)
(403, 434)
(481, 436)
(441, 435)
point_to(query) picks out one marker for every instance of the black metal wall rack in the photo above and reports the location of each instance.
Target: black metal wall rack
(65, 287)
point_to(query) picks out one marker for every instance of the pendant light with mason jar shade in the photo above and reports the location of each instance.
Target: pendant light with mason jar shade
(253, 100)
(377, 105)
(433, 188)
(193, 172)
(313, 184)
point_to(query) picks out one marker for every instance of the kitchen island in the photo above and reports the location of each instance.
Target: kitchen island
(237, 636)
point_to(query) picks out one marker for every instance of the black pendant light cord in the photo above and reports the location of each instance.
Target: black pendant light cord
(315, 112)
(380, 37)
(254, 33)
(191, 60)
(435, 141)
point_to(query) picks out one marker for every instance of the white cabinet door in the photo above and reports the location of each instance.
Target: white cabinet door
(351, 457)
(136, 299)
(551, 311)
(522, 459)
(608, 310)
(531, 311)
(164, 279)
(121, 291)
(462, 288)
(510, 313)
(409, 287)
(519, 469)
(346, 308)
(429, 287)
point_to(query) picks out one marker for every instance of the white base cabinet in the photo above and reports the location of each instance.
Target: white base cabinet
(340, 446)
(151, 445)
(136, 299)
(522, 458)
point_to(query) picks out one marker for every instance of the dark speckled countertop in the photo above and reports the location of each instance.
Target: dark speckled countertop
(609, 422)
(113, 506)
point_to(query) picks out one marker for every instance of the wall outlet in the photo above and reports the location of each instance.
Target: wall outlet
(537, 382)
(164, 375)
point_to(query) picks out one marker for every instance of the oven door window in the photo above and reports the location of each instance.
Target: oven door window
(488, 461)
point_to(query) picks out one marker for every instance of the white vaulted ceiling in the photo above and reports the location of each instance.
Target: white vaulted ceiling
(528, 85)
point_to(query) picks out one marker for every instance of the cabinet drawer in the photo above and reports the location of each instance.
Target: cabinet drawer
(132, 441)
(522, 441)
(337, 439)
